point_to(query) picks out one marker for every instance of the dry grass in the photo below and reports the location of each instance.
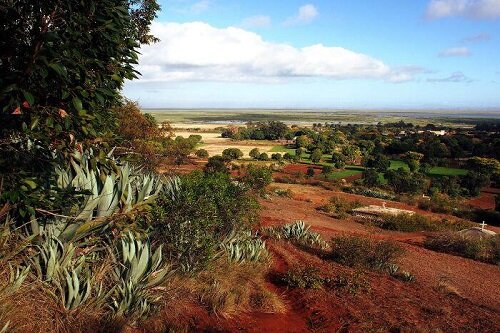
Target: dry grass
(224, 290)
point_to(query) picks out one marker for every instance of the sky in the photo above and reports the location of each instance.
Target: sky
(322, 54)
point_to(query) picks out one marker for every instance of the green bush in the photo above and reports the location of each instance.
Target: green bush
(193, 217)
(216, 164)
(264, 157)
(485, 249)
(310, 172)
(232, 153)
(257, 177)
(202, 153)
(416, 222)
(356, 251)
(254, 153)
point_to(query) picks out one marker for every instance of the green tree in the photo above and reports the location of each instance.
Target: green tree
(379, 162)
(232, 153)
(254, 153)
(338, 160)
(370, 177)
(258, 177)
(310, 172)
(316, 155)
(202, 153)
(299, 152)
(216, 164)
(264, 157)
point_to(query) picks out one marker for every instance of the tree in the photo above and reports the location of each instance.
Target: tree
(302, 141)
(258, 177)
(486, 166)
(62, 67)
(316, 155)
(326, 169)
(276, 157)
(299, 152)
(264, 157)
(202, 153)
(310, 172)
(63, 64)
(404, 181)
(370, 177)
(216, 164)
(338, 160)
(254, 153)
(232, 153)
(413, 160)
(379, 162)
(474, 181)
(288, 156)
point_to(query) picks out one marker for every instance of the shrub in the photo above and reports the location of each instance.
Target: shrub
(371, 178)
(416, 222)
(296, 232)
(485, 249)
(288, 156)
(339, 208)
(310, 172)
(254, 153)
(195, 216)
(232, 153)
(283, 192)
(353, 283)
(327, 169)
(276, 156)
(307, 278)
(404, 276)
(202, 153)
(356, 251)
(316, 156)
(369, 193)
(257, 177)
(216, 164)
(264, 157)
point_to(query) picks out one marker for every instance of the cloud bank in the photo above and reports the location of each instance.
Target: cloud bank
(472, 9)
(200, 52)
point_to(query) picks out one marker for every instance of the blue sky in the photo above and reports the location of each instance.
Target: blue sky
(322, 54)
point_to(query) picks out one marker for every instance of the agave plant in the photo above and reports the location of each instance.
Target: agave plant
(244, 246)
(138, 273)
(109, 191)
(298, 232)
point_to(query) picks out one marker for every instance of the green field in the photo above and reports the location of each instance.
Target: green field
(352, 170)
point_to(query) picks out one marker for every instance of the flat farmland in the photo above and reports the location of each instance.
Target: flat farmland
(215, 144)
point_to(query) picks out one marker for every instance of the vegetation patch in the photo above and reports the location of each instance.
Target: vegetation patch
(339, 208)
(416, 222)
(486, 249)
(356, 251)
(297, 232)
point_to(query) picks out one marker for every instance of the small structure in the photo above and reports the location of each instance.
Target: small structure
(375, 212)
(476, 232)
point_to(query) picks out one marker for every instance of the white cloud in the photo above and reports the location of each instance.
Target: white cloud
(474, 9)
(306, 14)
(259, 21)
(455, 52)
(200, 52)
(200, 6)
